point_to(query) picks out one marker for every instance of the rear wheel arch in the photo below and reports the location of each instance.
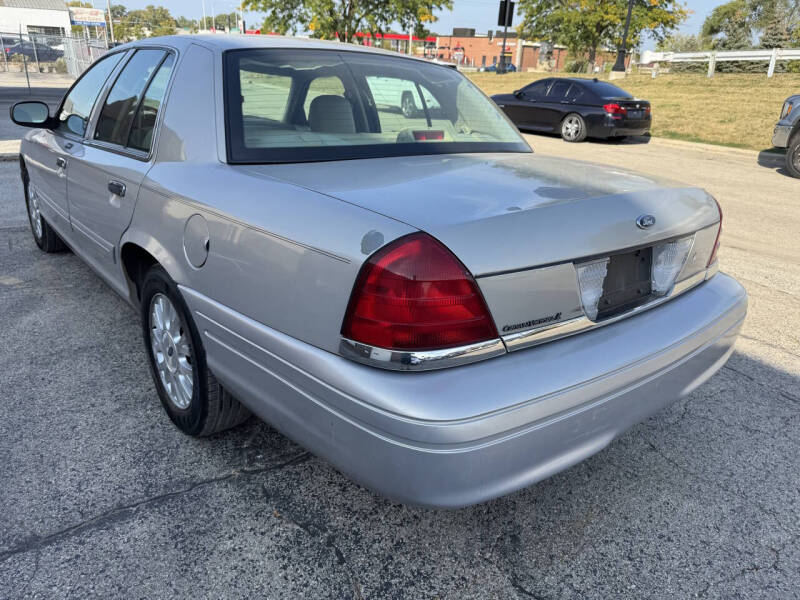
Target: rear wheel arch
(136, 262)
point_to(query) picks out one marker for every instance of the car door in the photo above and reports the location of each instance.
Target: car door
(109, 165)
(49, 151)
(525, 109)
(555, 105)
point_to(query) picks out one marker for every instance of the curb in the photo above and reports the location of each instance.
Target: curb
(8, 156)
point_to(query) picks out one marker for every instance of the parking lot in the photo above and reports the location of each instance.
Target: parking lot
(102, 496)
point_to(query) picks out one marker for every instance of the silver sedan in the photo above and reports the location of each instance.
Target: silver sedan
(412, 294)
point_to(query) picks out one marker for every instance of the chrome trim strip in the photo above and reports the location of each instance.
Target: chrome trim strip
(420, 360)
(534, 337)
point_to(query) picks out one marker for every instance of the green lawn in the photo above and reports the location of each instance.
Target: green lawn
(737, 110)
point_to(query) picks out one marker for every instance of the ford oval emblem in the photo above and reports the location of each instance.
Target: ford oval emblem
(645, 221)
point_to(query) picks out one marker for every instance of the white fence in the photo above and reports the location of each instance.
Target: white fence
(713, 57)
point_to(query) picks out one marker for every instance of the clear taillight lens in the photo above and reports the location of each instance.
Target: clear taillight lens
(668, 260)
(414, 294)
(591, 276)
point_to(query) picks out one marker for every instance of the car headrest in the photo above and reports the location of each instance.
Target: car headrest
(331, 114)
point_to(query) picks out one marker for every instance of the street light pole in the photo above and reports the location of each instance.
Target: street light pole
(502, 67)
(619, 66)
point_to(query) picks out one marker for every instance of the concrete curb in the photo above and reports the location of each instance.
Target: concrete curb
(8, 156)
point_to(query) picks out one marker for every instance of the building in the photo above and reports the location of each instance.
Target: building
(44, 17)
(465, 47)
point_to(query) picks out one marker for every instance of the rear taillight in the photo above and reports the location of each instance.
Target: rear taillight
(414, 294)
(647, 111)
(716, 241)
(615, 111)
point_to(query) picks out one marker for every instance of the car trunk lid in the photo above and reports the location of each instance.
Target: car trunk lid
(508, 212)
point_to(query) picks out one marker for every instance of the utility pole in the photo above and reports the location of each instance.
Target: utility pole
(504, 18)
(110, 20)
(204, 15)
(619, 65)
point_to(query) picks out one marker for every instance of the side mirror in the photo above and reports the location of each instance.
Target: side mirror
(30, 114)
(519, 94)
(76, 124)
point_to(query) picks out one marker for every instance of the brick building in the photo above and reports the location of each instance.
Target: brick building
(465, 47)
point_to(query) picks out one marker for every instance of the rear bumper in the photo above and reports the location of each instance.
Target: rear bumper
(780, 137)
(467, 434)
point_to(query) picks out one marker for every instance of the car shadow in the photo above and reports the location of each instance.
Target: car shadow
(775, 159)
(631, 140)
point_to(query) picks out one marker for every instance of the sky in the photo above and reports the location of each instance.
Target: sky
(478, 14)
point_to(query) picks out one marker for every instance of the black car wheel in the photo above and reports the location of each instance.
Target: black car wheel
(793, 156)
(573, 128)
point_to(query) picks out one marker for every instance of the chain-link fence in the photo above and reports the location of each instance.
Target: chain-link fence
(40, 53)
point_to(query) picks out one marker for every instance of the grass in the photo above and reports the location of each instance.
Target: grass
(738, 110)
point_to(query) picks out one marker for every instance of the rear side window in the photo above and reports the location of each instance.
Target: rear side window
(123, 100)
(141, 136)
(77, 106)
(558, 91)
(575, 92)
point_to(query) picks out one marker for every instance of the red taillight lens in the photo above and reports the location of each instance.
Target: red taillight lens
(647, 111)
(414, 294)
(422, 136)
(716, 242)
(615, 110)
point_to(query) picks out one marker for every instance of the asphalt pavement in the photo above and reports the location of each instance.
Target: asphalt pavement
(103, 497)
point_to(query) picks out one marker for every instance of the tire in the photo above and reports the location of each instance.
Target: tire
(200, 406)
(793, 156)
(407, 105)
(44, 235)
(573, 128)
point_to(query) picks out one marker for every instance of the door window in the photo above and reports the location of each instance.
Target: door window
(141, 136)
(77, 106)
(537, 89)
(123, 99)
(558, 91)
(575, 92)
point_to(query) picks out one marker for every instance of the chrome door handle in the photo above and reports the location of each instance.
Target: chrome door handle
(61, 162)
(116, 188)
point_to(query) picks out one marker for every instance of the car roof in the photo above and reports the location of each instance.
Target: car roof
(223, 42)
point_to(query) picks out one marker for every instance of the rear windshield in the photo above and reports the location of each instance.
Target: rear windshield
(301, 105)
(605, 90)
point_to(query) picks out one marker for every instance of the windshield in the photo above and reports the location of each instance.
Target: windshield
(301, 105)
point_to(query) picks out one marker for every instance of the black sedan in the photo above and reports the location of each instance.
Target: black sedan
(576, 108)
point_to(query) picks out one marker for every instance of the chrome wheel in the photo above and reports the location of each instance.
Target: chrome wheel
(169, 343)
(571, 128)
(35, 216)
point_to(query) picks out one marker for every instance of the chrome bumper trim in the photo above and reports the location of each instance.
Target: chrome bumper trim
(419, 360)
(534, 337)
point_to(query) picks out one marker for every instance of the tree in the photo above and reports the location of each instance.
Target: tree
(151, 21)
(730, 26)
(342, 19)
(679, 42)
(585, 26)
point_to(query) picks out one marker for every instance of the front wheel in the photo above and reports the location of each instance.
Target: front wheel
(193, 398)
(573, 128)
(793, 156)
(44, 235)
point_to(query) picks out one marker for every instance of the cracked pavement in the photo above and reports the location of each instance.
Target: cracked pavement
(102, 497)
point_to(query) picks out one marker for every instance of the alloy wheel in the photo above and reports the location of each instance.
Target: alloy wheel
(571, 128)
(171, 351)
(35, 216)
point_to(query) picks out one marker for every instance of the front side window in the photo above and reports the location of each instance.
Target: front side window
(77, 106)
(123, 99)
(537, 89)
(289, 105)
